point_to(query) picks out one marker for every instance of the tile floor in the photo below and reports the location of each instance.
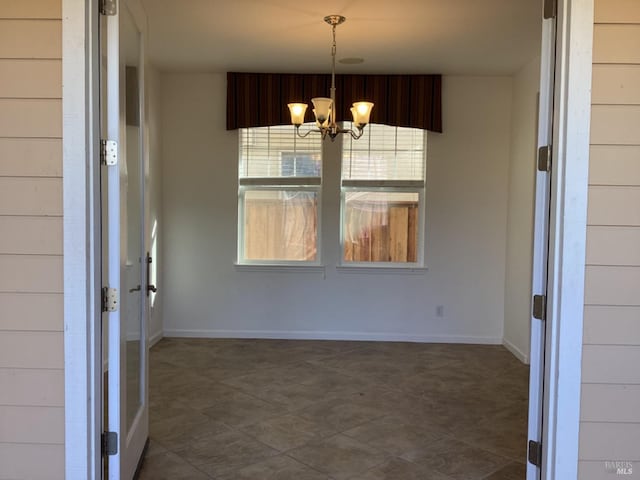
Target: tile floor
(314, 410)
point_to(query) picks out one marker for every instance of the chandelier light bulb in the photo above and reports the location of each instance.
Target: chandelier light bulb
(361, 112)
(322, 110)
(297, 111)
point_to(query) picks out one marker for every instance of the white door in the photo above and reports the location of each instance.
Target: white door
(540, 246)
(125, 261)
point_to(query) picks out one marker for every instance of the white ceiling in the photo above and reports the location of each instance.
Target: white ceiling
(393, 36)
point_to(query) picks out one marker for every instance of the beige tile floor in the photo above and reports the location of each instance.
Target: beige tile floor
(314, 410)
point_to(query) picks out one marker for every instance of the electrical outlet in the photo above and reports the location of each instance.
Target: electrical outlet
(440, 311)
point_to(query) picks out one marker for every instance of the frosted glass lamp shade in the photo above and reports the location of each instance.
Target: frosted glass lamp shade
(361, 112)
(355, 117)
(322, 110)
(297, 111)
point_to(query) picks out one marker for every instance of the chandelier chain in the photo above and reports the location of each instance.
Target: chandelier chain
(333, 71)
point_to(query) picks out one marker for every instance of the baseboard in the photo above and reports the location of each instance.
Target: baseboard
(519, 354)
(132, 337)
(155, 338)
(318, 335)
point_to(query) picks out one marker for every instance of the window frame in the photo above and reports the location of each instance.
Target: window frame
(390, 186)
(274, 183)
(243, 189)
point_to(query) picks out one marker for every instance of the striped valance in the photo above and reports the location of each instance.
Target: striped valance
(260, 99)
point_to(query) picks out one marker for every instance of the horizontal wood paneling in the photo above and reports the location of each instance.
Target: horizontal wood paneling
(622, 403)
(31, 350)
(613, 246)
(31, 273)
(615, 124)
(31, 311)
(609, 441)
(614, 206)
(30, 78)
(612, 286)
(31, 324)
(606, 325)
(30, 196)
(616, 44)
(610, 400)
(30, 9)
(617, 11)
(32, 425)
(17, 461)
(31, 235)
(28, 118)
(30, 38)
(31, 157)
(614, 165)
(611, 364)
(32, 387)
(616, 84)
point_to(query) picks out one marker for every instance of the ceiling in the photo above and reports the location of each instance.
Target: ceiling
(484, 37)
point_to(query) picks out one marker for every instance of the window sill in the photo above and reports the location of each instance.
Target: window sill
(382, 269)
(279, 268)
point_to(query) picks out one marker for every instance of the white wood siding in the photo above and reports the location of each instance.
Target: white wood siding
(31, 317)
(614, 165)
(50, 460)
(31, 157)
(610, 405)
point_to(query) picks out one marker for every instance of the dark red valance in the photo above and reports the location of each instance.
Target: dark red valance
(260, 99)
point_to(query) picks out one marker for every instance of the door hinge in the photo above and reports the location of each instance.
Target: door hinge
(109, 443)
(109, 299)
(108, 152)
(535, 453)
(544, 158)
(540, 307)
(108, 7)
(550, 9)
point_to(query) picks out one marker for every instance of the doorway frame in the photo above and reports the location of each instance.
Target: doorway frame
(81, 248)
(567, 239)
(82, 239)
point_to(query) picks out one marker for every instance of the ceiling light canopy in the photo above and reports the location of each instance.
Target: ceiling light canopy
(324, 108)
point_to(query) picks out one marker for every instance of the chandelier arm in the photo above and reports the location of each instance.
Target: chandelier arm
(311, 130)
(355, 134)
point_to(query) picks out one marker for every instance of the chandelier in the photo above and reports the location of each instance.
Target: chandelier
(324, 108)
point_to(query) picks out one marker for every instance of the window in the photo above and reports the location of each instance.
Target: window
(383, 182)
(280, 177)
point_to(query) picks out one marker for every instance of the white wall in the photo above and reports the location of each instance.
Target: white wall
(517, 305)
(467, 189)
